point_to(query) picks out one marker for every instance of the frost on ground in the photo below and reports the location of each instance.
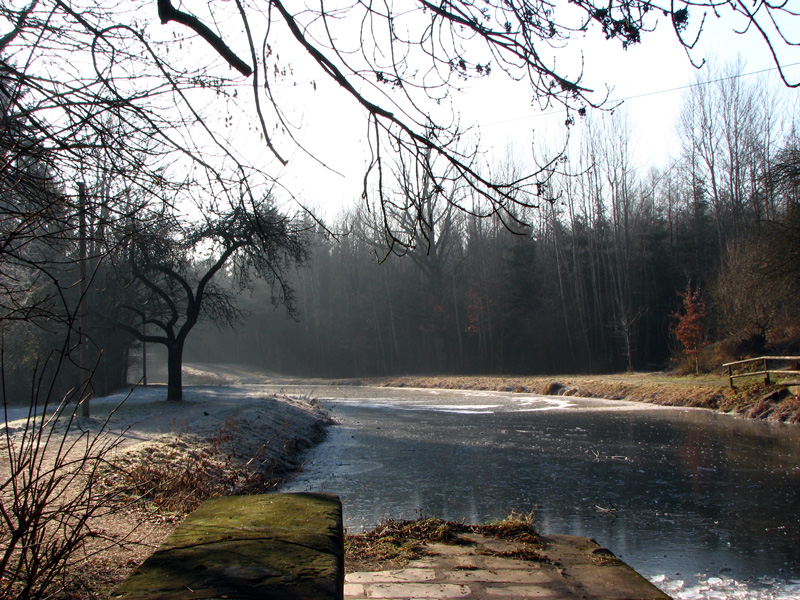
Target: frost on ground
(171, 455)
(703, 587)
(217, 441)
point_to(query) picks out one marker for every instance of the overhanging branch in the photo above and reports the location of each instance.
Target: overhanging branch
(167, 12)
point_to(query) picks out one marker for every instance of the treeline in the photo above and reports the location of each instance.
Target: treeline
(592, 283)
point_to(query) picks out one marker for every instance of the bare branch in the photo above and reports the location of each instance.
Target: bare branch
(167, 12)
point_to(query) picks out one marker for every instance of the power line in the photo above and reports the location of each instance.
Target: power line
(709, 82)
(655, 93)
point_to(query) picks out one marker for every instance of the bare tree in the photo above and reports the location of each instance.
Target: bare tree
(750, 300)
(730, 129)
(163, 95)
(171, 267)
(56, 237)
(430, 235)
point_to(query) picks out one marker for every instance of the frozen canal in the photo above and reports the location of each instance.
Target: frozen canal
(705, 505)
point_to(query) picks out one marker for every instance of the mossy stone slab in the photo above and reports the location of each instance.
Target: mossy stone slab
(271, 547)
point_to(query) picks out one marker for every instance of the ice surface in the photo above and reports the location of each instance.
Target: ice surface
(724, 588)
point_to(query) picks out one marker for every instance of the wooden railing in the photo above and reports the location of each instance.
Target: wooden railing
(764, 362)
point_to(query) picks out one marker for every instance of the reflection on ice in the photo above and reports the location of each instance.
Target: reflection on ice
(531, 403)
(485, 409)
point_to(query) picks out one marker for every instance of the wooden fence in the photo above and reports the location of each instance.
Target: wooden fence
(764, 363)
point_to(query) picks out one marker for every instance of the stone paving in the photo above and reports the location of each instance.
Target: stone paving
(572, 568)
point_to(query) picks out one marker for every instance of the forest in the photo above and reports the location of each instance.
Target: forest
(142, 204)
(596, 281)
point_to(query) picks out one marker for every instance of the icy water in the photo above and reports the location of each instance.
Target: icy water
(704, 505)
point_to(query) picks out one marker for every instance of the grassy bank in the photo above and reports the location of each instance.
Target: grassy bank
(706, 391)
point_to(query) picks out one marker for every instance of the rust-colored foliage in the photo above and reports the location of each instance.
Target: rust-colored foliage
(689, 328)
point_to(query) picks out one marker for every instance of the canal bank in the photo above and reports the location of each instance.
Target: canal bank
(702, 484)
(751, 399)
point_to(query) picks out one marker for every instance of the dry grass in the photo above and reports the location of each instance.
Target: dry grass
(394, 543)
(176, 476)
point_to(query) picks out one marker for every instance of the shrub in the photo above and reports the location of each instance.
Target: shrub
(689, 327)
(49, 494)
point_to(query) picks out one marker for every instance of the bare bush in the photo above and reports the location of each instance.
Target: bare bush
(49, 494)
(752, 303)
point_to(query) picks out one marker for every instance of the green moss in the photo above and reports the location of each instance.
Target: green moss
(269, 546)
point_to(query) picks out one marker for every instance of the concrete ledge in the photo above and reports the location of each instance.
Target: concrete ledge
(595, 573)
(271, 547)
(487, 568)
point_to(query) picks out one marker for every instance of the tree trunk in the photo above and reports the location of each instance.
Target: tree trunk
(174, 373)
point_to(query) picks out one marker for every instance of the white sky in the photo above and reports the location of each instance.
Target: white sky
(651, 77)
